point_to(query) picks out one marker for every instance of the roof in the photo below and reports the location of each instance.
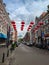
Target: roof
(43, 14)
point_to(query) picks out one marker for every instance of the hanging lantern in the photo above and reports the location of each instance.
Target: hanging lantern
(14, 28)
(13, 22)
(22, 25)
(14, 25)
(22, 22)
(31, 23)
(38, 26)
(41, 23)
(21, 28)
(29, 28)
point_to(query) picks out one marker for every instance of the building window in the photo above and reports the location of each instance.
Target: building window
(0, 28)
(46, 29)
(46, 21)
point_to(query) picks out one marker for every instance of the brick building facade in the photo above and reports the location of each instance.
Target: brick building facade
(43, 32)
(5, 26)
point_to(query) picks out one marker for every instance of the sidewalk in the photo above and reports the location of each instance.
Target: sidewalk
(3, 50)
(8, 59)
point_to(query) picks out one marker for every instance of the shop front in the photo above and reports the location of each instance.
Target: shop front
(3, 39)
(47, 40)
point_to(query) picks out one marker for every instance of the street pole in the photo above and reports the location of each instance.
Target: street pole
(3, 57)
(8, 39)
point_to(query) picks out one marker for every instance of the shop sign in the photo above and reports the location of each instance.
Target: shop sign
(42, 34)
(47, 37)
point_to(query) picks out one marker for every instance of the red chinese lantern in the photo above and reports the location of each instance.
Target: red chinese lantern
(22, 22)
(21, 28)
(14, 25)
(13, 22)
(31, 23)
(38, 26)
(41, 23)
(14, 28)
(29, 28)
(22, 25)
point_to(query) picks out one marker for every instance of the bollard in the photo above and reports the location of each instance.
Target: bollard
(11, 50)
(3, 58)
(7, 53)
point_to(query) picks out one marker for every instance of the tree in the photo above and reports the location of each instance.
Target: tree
(20, 40)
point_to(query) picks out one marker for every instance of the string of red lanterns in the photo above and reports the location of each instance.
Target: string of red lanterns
(13, 22)
(41, 23)
(14, 25)
(38, 26)
(30, 26)
(22, 25)
(31, 23)
(22, 22)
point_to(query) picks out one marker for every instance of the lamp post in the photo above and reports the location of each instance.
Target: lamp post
(8, 39)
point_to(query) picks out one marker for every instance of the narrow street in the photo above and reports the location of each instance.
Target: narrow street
(25, 55)
(24, 32)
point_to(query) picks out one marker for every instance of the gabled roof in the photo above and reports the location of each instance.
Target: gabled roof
(43, 14)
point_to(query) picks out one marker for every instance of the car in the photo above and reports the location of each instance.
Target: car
(24, 43)
(27, 44)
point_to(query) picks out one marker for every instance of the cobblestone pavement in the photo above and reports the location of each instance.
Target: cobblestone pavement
(25, 55)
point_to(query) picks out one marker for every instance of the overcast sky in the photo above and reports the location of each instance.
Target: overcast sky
(25, 10)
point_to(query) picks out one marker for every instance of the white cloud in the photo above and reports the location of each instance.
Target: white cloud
(36, 8)
(26, 10)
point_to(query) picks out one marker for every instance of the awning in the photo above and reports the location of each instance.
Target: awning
(46, 35)
(3, 35)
